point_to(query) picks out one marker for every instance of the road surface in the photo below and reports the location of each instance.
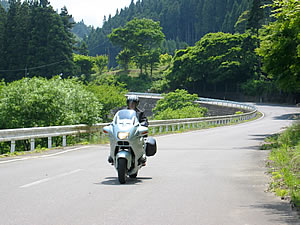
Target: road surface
(207, 177)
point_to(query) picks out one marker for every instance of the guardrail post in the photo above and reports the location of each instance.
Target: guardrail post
(173, 127)
(12, 146)
(100, 135)
(32, 144)
(49, 142)
(64, 144)
(160, 129)
(167, 128)
(189, 125)
(193, 125)
(178, 126)
(153, 131)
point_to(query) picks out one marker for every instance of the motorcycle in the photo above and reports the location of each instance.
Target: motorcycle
(128, 144)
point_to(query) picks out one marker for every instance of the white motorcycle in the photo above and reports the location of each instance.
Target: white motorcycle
(128, 144)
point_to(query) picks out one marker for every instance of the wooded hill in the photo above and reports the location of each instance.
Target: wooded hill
(182, 20)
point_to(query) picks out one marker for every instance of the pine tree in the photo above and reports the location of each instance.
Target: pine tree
(16, 39)
(256, 16)
(68, 42)
(83, 48)
(3, 16)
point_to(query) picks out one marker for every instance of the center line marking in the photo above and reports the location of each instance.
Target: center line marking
(49, 179)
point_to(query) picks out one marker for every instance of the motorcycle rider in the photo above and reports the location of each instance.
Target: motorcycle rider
(132, 103)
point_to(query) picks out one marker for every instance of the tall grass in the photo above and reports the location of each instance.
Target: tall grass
(285, 164)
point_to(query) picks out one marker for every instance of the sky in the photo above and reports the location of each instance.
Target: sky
(91, 11)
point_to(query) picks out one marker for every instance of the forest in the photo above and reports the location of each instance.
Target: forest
(183, 21)
(230, 49)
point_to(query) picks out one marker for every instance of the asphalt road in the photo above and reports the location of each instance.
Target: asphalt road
(207, 177)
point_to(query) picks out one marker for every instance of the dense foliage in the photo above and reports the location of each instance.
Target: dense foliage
(181, 20)
(280, 46)
(41, 102)
(35, 40)
(140, 40)
(218, 59)
(81, 30)
(88, 68)
(178, 104)
(111, 97)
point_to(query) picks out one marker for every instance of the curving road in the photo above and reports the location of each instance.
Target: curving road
(207, 177)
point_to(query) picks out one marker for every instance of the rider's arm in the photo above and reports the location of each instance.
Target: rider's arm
(143, 119)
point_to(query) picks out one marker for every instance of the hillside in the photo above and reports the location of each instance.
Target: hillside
(81, 30)
(182, 20)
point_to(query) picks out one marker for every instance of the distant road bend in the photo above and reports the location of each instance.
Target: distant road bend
(207, 177)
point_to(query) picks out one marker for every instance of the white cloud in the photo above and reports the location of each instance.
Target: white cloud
(91, 11)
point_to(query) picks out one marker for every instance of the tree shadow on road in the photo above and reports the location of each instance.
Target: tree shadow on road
(287, 215)
(129, 181)
(292, 116)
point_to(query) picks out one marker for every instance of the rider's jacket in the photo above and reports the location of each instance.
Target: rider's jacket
(141, 117)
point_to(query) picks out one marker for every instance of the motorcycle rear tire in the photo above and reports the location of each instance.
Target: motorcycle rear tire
(122, 168)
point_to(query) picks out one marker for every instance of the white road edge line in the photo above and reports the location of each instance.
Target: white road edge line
(49, 179)
(44, 156)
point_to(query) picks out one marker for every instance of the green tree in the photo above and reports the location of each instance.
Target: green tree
(110, 96)
(175, 100)
(124, 58)
(255, 17)
(100, 64)
(280, 46)
(218, 58)
(3, 17)
(178, 104)
(241, 23)
(37, 41)
(137, 39)
(83, 48)
(84, 66)
(39, 102)
(15, 40)
(181, 20)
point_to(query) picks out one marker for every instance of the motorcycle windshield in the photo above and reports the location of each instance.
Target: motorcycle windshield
(126, 117)
(126, 114)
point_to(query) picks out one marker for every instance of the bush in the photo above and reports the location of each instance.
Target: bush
(178, 104)
(39, 102)
(110, 96)
(186, 112)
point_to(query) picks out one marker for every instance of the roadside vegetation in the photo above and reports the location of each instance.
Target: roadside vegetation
(39, 102)
(284, 163)
(177, 105)
(47, 80)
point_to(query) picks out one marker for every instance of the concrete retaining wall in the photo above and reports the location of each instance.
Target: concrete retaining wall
(147, 104)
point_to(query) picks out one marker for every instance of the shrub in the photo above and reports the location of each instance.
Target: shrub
(110, 96)
(186, 112)
(39, 102)
(178, 104)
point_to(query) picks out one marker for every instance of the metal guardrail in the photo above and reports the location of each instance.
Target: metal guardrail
(13, 135)
(219, 102)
